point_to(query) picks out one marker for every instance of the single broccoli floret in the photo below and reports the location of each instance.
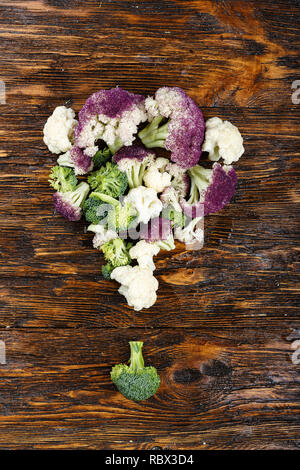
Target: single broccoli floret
(116, 252)
(62, 179)
(134, 161)
(109, 180)
(69, 204)
(76, 159)
(135, 381)
(177, 218)
(96, 207)
(214, 188)
(177, 124)
(107, 269)
(101, 157)
(121, 216)
(112, 116)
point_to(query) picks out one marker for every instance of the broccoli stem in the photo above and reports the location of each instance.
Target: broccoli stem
(136, 361)
(105, 198)
(155, 135)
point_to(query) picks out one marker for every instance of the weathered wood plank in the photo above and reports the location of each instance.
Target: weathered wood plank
(228, 52)
(229, 388)
(218, 331)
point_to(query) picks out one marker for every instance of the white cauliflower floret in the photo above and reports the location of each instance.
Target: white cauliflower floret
(222, 140)
(102, 235)
(145, 202)
(151, 107)
(191, 233)
(165, 102)
(296, 354)
(143, 252)
(59, 129)
(128, 124)
(155, 177)
(138, 286)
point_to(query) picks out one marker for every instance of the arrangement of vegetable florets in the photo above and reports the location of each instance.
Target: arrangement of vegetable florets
(135, 201)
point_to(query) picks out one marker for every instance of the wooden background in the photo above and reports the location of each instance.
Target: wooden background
(220, 333)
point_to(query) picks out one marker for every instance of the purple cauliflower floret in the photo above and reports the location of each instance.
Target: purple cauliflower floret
(83, 163)
(157, 229)
(176, 124)
(76, 159)
(112, 116)
(214, 188)
(69, 204)
(133, 161)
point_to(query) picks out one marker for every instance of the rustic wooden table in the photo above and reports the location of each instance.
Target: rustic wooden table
(220, 333)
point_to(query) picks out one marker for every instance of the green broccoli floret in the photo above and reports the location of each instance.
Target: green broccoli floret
(109, 180)
(62, 179)
(136, 382)
(121, 216)
(97, 206)
(101, 157)
(177, 218)
(116, 252)
(107, 270)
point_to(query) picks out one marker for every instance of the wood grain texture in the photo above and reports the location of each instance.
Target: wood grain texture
(218, 332)
(56, 391)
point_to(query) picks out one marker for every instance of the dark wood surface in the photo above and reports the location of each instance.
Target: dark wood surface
(220, 332)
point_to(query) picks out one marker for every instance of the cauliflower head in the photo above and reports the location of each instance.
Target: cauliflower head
(143, 252)
(59, 130)
(155, 177)
(223, 140)
(145, 202)
(138, 285)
